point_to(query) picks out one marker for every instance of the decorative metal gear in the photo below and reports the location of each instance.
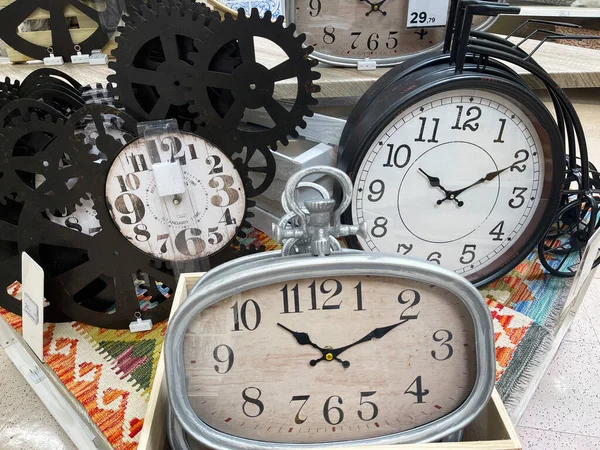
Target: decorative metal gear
(81, 143)
(10, 263)
(24, 153)
(15, 13)
(23, 108)
(151, 59)
(250, 84)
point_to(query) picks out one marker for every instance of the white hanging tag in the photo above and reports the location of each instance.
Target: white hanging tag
(32, 288)
(169, 178)
(79, 58)
(139, 324)
(427, 13)
(53, 60)
(97, 58)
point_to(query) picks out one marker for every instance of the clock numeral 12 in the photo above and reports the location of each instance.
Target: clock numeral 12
(470, 124)
(291, 303)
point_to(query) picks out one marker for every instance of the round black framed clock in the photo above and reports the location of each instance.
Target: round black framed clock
(462, 170)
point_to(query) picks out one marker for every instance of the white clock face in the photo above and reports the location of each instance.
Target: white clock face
(342, 28)
(279, 363)
(196, 223)
(455, 179)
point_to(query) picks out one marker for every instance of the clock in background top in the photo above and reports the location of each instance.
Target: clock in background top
(344, 32)
(197, 223)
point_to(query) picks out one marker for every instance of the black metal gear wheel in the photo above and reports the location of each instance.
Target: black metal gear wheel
(10, 263)
(13, 14)
(151, 59)
(250, 84)
(25, 155)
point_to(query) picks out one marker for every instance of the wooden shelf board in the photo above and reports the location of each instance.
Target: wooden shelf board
(571, 67)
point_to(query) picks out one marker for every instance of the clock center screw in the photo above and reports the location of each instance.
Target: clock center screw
(329, 356)
(176, 199)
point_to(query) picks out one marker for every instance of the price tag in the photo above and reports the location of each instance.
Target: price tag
(427, 13)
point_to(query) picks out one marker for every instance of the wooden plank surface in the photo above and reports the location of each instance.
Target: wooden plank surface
(571, 67)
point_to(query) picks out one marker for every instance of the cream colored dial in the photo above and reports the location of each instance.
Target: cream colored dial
(330, 359)
(362, 29)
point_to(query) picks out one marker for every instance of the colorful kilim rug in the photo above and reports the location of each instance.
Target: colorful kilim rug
(111, 372)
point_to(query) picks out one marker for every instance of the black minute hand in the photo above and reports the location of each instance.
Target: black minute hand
(488, 177)
(377, 333)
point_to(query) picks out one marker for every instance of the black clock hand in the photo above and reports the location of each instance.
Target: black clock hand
(303, 339)
(375, 7)
(488, 177)
(435, 182)
(377, 333)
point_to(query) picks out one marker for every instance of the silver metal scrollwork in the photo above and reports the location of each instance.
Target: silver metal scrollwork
(315, 226)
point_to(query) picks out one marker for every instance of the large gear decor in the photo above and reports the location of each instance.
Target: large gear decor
(251, 84)
(24, 154)
(151, 59)
(15, 13)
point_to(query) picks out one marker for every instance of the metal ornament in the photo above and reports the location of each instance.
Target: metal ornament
(226, 282)
(318, 224)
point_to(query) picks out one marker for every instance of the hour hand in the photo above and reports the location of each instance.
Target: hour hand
(301, 338)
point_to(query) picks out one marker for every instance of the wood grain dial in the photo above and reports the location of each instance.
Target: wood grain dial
(354, 29)
(197, 223)
(330, 359)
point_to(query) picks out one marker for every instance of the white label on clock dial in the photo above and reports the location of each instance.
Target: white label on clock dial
(251, 372)
(454, 179)
(427, 13)
(195, 224)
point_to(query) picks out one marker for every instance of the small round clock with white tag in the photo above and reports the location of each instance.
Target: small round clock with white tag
(176, 196)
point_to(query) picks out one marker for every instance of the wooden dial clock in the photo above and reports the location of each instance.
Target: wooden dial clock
(199, 221)
(344, 32)
(262, 363)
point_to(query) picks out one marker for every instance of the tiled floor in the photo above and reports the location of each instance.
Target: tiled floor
(565, 410)
(25, 423)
